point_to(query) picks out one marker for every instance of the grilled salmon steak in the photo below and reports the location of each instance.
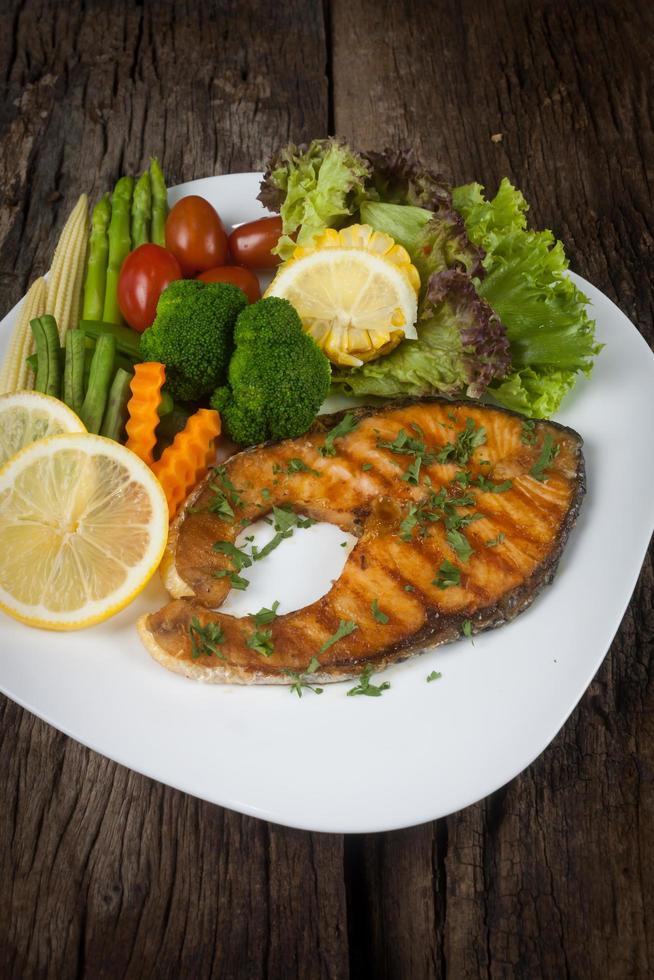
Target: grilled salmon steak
(461, 511)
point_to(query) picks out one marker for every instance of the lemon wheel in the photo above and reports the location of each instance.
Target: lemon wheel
(355, 291)
(26, 416)
(83, 526)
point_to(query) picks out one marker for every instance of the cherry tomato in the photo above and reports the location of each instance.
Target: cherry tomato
(243, 278)
(251, 244)
(144, 275)
(195, 235)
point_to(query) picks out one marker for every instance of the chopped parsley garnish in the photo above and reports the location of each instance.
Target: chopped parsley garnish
(205, 640)
(528, 434)
(460, 544)
(261, 642)
(462, 478)
(466, 627)
(489, 487)
(265, 493)
(366, 466)
(226, 496)
(300, 680)
(343, 544)
(345, 627)
(412, 472)
(377, 613)
(284, 522)
(266, 616)
(366, 688)
(347, 424)
(237, 581)
(448, 575)
(548, 452)
(409, 523)
(238, 558)
(493, 543)
(434, 676)
(463, 446)
(295, 466)
(409, 588)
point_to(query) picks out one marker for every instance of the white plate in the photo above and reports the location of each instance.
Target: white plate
(420, 751)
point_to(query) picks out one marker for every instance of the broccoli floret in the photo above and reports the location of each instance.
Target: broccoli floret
(278, 377)
(192, 335)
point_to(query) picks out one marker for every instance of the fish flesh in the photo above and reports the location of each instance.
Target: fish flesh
(461, 511)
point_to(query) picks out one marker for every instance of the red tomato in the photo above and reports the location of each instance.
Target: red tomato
(243, 278)
(144, 275)
(251, 244)
(195, 235)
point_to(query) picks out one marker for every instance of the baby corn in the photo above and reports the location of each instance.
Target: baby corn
(15, 373)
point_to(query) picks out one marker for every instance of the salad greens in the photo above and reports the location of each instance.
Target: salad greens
(551, 335)
(496, 312)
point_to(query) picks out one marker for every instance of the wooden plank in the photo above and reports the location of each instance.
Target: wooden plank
(549, 876)
(106, 873)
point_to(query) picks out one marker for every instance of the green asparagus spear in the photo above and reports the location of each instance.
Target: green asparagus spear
(115, 416)
(102, 371)
(159, 203)
(141, 210)
(127, 340)
(46, 338)
(96, 266)
(119, 245)
(74, 370)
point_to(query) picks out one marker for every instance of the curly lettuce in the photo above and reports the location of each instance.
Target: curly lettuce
(398, 177)
(313, 187)
(461, 347)
(552, 337)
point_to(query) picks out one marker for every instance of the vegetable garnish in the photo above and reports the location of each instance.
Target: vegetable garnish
(261, 642)
(347, 424)
(489, 487)
(459, 544)
(466, 628)
(206, 640)
(434, 676)
(548, 452)
(294, 466)
(301, 680)
(284, 521)
(266, 616)
(380, 616)
(366, 467)
(493, 543)
(184, 463)
(239, 560)
(345, 627)
(142, 408)
(528, 434)
(448, 575)
(464, 445)
(364, 686)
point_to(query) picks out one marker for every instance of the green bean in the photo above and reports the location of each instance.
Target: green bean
(46, 337)
(102, 371)
(166, 405)
(127, 340)
(74, 370)
(122, 361)
(115, 416)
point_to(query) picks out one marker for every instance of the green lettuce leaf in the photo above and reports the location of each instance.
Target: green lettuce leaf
(551, 335)
(461, 345)
(435, 241)
(313, 187)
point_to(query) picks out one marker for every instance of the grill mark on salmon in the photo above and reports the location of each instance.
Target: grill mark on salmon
(496, 583)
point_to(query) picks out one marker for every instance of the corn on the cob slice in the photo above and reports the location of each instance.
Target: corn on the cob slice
(15, 373)
(67, 271)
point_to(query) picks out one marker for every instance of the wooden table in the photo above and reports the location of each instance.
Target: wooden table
(104, 873)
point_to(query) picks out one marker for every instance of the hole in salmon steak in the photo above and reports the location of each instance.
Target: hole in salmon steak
(297, 571)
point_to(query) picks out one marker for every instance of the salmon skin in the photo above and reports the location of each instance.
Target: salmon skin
(461, 511)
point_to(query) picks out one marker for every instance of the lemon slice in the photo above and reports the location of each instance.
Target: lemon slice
(83, 526)
(26, 416)
(355, 290)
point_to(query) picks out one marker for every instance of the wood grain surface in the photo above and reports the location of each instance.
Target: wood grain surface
(104, 873)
